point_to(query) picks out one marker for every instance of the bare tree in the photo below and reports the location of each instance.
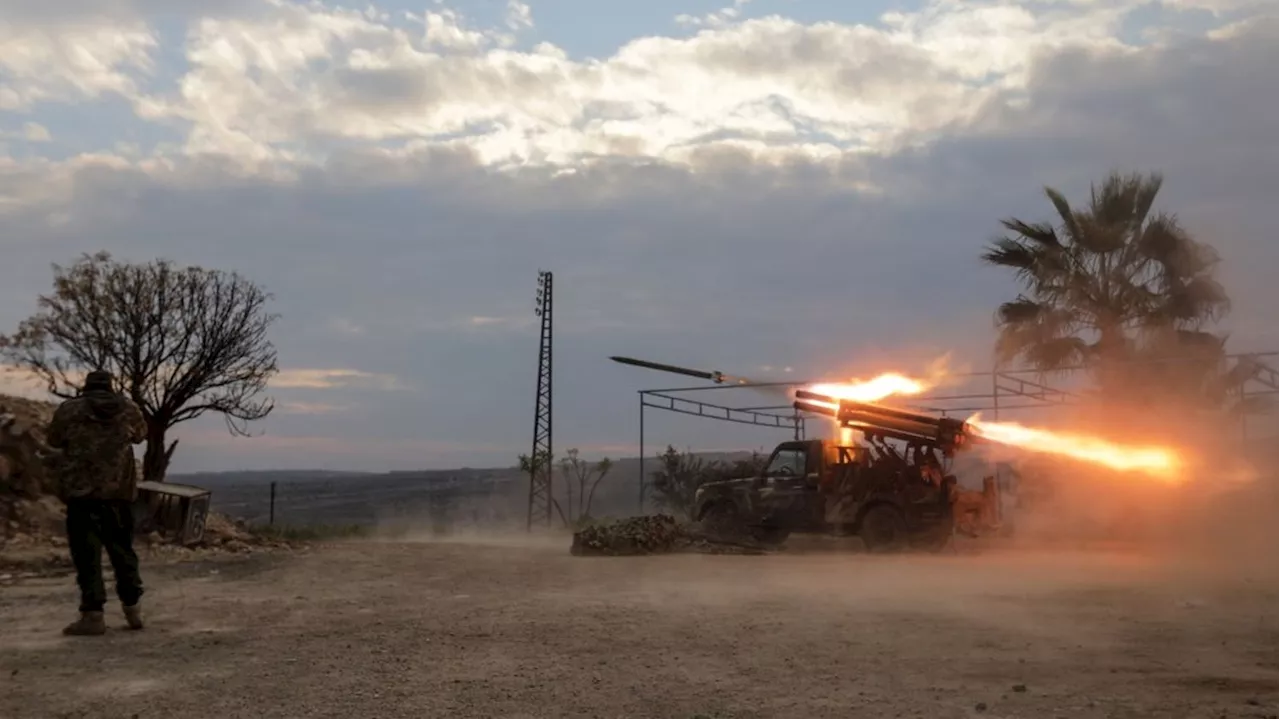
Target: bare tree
(580, 481)
(586, 476)
(181, 341)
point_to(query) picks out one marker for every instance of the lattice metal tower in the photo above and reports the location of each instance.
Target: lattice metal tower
(541, 458)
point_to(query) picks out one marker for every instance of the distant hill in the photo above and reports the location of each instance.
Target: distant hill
(626, 467)
(252, 476)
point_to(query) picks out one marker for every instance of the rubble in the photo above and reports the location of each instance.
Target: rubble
(233, 535)
(32, 519)
(636, 535)
(22, 446)
(651, 534)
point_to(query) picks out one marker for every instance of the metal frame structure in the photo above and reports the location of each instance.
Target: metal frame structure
(541, 470)
(1026, 389)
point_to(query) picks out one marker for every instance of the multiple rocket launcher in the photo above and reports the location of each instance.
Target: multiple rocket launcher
(877, 423)
(874, 421)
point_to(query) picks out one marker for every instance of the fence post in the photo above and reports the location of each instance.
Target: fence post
(271, 517)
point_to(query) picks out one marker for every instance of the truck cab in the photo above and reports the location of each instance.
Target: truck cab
(818, 486)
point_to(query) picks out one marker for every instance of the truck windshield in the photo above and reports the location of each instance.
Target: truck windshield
(787, 462)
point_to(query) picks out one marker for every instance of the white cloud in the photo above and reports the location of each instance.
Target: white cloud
(69, 62)
(519, 15)
(309, 408)
(289, 81)
(1221, 7)
(18, 381)
(35, 132)
(333, 378)
(30, 132)
(717, 18)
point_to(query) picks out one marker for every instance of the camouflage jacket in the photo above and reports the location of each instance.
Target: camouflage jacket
(92, 435)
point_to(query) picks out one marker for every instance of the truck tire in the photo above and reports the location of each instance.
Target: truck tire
(770, 535)
(721, 519)
(883, 529)
(936, 538)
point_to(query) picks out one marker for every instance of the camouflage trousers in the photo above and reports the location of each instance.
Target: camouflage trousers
(92, 526)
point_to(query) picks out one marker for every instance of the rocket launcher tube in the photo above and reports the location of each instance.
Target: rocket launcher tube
(875, 419)
(850, 405)
(817, 408)
(873, 422)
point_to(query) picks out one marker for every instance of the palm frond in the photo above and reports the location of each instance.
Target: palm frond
(1057, 353)
(1145, 198)
(1005, 252)
(1118, 208)
(1122, 195)
(1194, 300)
(1020, 311)
(1208, 297)
(1099, 237)
(1161, 240)
(1042, 233)
(1065, 213)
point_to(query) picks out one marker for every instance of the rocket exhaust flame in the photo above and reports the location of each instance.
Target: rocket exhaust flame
(1158, 462)
(877, 388)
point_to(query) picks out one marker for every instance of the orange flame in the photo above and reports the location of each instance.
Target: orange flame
(845, 434)
(874, 389)
(888, 384)
(1159, 462)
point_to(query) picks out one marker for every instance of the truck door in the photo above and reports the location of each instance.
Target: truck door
(846, 487)
(788, 492)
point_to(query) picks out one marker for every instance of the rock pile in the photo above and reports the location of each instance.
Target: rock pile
(33, 521)
(224, 534)
(635, 535)
(30, 519)
(651, 534)
(22, 446)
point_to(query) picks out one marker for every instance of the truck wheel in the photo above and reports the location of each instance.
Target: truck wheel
(721, 519)
(771, 536)
(937, 537)
(883, 529)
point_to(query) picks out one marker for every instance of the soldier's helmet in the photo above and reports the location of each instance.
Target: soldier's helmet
(97, 379)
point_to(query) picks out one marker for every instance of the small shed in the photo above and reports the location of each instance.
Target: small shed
(177, 511)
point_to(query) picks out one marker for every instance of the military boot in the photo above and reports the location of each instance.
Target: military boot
(133, 615)
(89, 624)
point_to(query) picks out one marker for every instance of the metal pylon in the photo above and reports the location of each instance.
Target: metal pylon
(541, 457)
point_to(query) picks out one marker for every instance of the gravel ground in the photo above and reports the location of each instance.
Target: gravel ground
(518, 628)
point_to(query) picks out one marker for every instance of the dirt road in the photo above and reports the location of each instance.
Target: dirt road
(490, 630)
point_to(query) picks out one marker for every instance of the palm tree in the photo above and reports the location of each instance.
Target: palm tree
(1111, 283)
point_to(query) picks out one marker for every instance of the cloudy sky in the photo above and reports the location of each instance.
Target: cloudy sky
(751, 187)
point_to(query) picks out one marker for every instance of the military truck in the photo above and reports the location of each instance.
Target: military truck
(892, 497)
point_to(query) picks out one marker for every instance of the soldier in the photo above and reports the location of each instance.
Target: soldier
(97, 479)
